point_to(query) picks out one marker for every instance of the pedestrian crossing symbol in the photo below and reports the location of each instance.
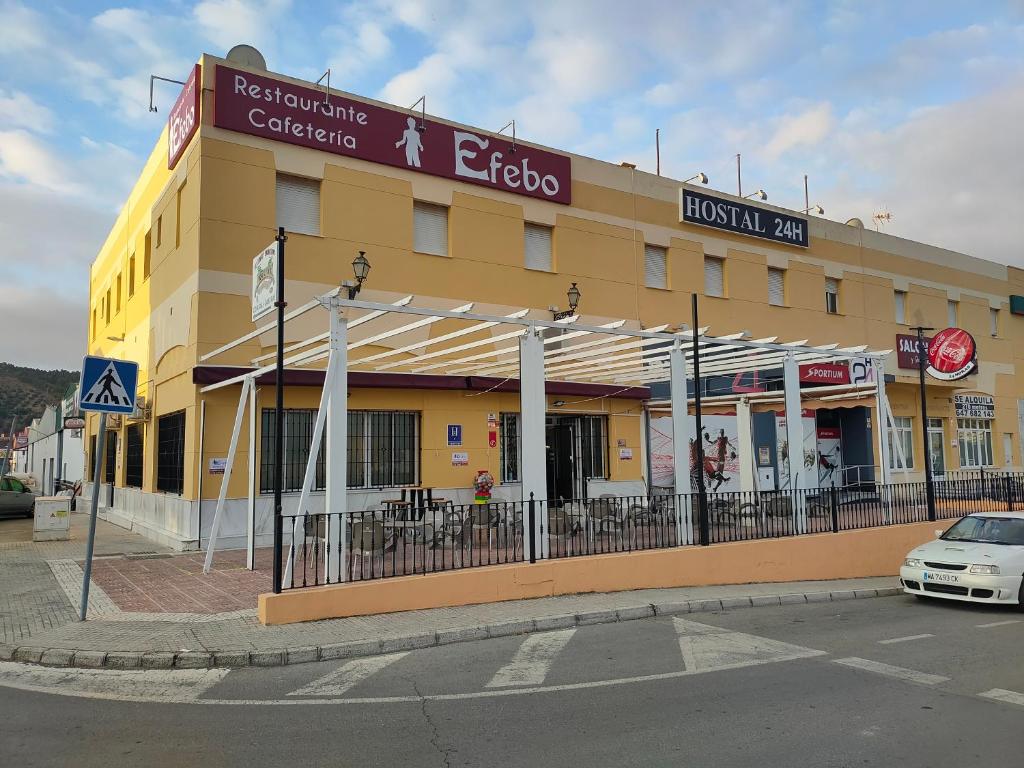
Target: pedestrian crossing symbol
(108, 386)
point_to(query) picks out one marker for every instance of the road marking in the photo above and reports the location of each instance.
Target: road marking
(533, 659)
(901, 673)
(155, 685)
(999, 623)
(1001, 694)
(69, 576)
(707, 649)
(347, 676)
(906, 639)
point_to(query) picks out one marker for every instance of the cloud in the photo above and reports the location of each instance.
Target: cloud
(25, 158)
(51, 332)
(805, 129)
(19, 110)
(229, 22)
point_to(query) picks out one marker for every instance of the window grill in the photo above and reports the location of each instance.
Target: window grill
(133, 456)
(170, 453)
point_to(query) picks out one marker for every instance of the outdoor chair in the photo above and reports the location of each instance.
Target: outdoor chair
(368, 537)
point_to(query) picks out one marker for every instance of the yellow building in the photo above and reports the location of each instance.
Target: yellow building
(457, 214)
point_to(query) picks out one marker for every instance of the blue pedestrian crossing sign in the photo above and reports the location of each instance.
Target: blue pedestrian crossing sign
(107, 385)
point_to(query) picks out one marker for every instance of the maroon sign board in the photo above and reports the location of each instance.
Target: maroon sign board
(274, 109)
(907, 352)
(825, 373)
(183, 120)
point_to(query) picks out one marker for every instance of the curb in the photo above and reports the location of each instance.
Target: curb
(136, 660)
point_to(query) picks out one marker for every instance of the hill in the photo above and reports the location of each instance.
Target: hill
(25, 392)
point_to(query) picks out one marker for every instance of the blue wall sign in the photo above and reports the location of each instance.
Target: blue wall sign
(454, 434)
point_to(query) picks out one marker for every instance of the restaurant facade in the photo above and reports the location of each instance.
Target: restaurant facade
(449, 214)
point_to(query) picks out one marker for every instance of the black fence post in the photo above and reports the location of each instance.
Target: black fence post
(833, 502)
(1009, 492)
(532, 519)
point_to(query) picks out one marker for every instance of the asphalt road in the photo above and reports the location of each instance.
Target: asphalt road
(883, 682)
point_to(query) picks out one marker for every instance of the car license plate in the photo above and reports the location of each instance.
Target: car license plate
(951, 578)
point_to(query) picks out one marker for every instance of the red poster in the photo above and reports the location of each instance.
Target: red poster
(825, 373)
(282, 111)
(492, 439)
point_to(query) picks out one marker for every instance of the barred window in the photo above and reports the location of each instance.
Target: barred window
(383, 449)
(133, 457)
(901, 435)
(110, 451)
(975, 439)
(298, 432)
(510, 448)
(170, 453)
(594, 446)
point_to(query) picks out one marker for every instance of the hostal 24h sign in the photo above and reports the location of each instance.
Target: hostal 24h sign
(733, 216)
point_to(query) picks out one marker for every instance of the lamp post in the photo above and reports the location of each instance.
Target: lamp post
(360, 268)
(573, 294)
(921, 355)
(703, 523)
(279, 412)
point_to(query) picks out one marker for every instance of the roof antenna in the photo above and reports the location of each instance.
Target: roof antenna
(511, 123)
(327, 93)
(422, 102)
(880, 218)
(152, 107)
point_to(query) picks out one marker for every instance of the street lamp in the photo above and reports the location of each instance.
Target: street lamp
(360, 268)
(700, 178)
(760, 195)
(574, 297)
(815, 209)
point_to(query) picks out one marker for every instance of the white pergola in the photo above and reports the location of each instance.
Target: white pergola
(524, 344)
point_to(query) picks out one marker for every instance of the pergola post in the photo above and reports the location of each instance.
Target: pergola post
(681, 437)
(250, 527)
(882, 409)
(533, 410)
(337, 448)
(795, 438)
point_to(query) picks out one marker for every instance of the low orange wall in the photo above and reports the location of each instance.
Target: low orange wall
(851, 554)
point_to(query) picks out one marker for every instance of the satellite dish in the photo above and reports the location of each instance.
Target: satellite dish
(247, 56)
(855, 222)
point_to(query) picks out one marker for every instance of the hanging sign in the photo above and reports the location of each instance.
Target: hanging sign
(264, 281)
(952, 354)
(283, 111)
(733, 216)
(74, 422)
(492, 438)
(974, 406)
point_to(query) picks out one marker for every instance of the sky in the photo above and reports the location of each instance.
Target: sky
(911, 108)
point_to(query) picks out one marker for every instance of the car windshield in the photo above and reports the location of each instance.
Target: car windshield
(988, 530)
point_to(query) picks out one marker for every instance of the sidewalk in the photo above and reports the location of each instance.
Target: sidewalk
(151, 609)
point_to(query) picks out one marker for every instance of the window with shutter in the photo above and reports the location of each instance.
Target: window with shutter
(537, 243)
(298, 204)
(655, 269)
(901, 306)
(776, 287)
(831, 295)
(714, 276)
(430, 228)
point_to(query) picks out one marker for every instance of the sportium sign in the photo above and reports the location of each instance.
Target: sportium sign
(183, 120)
(699, 208)
(282, 111)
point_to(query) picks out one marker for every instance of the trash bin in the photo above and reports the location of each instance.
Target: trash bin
(52, 519)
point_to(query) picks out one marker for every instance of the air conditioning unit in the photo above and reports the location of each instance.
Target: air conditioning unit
(113, 421)
(142, 412)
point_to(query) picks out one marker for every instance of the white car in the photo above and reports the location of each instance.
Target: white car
(979, 559)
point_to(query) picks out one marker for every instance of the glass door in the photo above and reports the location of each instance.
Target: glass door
(936, 453)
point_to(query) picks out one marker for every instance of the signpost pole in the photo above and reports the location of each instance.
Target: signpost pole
(702, 498)
(97, 460)
(929, 489)
(279, 412)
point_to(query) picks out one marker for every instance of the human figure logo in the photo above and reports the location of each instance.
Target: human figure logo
(413, 143)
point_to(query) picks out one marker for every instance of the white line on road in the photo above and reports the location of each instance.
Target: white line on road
(906, 639)
(151, 685)
(532, 661)
(1001, 694)
(347, 676)
(706, 648)
(999, 623)
(900, 673)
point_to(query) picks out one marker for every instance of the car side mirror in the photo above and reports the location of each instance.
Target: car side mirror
(938, 533)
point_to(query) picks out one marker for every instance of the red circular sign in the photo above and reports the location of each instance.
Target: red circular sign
(951, 353)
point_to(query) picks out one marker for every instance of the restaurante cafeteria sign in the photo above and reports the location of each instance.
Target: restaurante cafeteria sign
(699, 208)
(283, 111)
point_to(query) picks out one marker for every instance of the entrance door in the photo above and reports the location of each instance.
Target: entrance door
(936, 452)
(561, 445)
